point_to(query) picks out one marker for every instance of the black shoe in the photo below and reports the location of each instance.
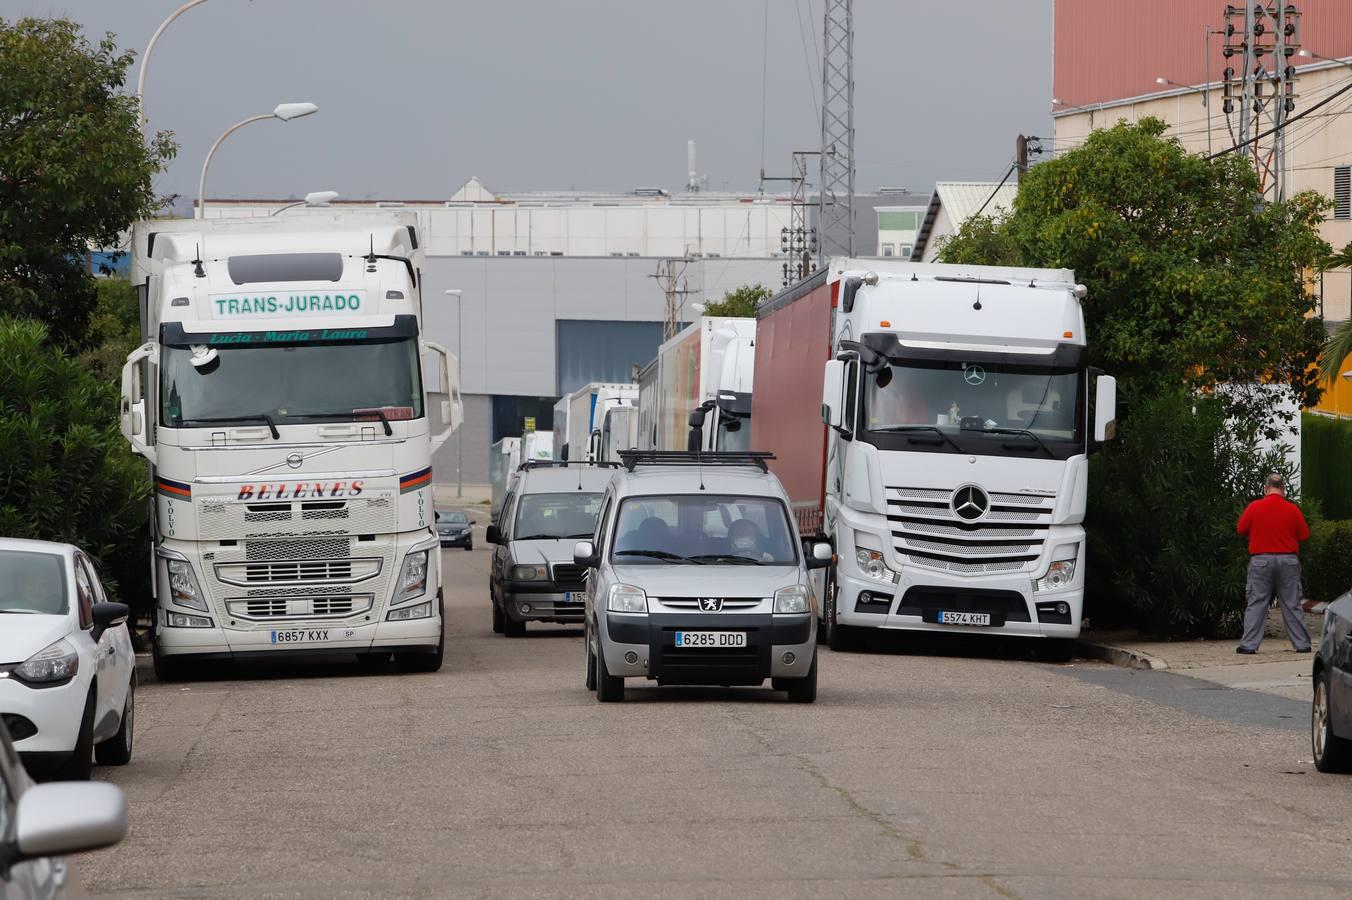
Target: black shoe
(1306, 650)
(1246, 652)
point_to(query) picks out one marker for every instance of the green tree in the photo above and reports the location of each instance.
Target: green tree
(1338, 347)
(74, 168)
(66, 473)
(739, 301)
(114, 329)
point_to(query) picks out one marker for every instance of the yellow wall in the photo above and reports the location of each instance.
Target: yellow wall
(1338, 398)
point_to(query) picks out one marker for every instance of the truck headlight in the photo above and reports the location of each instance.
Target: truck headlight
(1059, 575)
(412, 577)
(529, 573)
(791, 599)
(57, 662)
(183, 587)
(625, 598)
(871, 563)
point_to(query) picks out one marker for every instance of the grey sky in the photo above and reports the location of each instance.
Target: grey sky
(417, 95)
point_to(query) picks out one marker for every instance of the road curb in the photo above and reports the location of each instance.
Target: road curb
(1120, 656)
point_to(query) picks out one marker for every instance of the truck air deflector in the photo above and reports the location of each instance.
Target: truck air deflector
(1063, 356)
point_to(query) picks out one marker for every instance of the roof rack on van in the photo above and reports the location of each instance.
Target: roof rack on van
(561, 463)
(756, 458)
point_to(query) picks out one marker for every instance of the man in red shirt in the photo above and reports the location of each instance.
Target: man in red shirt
(1275, 529)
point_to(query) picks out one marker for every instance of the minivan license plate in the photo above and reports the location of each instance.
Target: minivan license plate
(711, 639)
(964, 618)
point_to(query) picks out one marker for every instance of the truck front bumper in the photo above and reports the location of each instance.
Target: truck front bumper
(777, 646)
(911, 605)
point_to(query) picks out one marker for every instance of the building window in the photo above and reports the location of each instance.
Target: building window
(466, 252)
(482, 253)
(504, 253)
(898, 221)
(518, 252)
(1342, 192)
(887, 249)
(905, 251)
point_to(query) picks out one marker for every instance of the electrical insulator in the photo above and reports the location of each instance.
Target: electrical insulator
(1289, 104)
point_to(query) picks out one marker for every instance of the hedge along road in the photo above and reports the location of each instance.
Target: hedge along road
(965, 774)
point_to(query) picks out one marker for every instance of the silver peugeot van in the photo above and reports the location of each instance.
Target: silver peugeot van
(696, 575)
(532, 577)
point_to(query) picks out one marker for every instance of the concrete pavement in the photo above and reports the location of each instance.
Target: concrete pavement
(967, 773)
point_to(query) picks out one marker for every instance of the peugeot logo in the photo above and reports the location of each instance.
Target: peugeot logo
(970, 503)
(294, 460)
(710, 604)
(974, 375)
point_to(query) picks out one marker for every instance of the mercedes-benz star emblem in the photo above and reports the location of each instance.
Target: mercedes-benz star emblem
(970, 503)
(974, 375)
(710, 604)
(294, 460)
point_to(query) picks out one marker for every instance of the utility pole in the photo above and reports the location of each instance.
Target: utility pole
(667, 276)
(835, 217)
(1020, 156)
(1262, 37)
(797, 242)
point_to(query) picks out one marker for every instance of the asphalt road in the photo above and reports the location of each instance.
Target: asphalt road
(971, 773)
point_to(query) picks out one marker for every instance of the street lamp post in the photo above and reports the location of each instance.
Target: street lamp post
(284, 111)
(145, 59)
(1310, 54)
(313, 199)
(459, 377)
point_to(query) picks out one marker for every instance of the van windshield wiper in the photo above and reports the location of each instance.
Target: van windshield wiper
(902, 429)
(345, 414)
(1022, 432)
(659, 554)
(732, 558)
(235, 420)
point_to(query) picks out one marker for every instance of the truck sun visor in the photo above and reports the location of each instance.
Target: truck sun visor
(285, 267)
(1064, 356)
(175, 335)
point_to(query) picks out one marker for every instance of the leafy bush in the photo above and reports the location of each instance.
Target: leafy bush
(1163, 553)
(739, 301)
(66, 473)
(114, 330)
(1326, 464)
(1327, 559)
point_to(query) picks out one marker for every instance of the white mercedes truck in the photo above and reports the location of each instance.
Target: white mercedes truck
(280, 400)
(934, 423)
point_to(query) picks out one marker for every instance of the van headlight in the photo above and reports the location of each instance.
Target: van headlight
(412, 577)
(183, 587)
(529, 573)
(1059, 575)
(57, 662)
(625, 598)
(791, 599)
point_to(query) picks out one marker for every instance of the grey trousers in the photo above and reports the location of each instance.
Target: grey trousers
(1271, 573)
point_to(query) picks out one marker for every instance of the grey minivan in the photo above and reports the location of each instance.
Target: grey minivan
(533, 578)
(697, 576)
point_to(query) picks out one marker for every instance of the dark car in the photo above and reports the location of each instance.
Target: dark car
(455, 530)
(1331, 715)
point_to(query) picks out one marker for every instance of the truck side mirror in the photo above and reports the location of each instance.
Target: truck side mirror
(1105, 408)
(833, 384)
(697, 416)
(493, 535)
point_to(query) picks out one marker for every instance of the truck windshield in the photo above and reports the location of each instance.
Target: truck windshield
(556, 516)
(297, 383)
(956, 406)
(703, 529)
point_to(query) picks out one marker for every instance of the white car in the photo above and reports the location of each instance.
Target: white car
(67, 667)
(37, 822)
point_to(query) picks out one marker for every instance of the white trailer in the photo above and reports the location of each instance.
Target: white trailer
(578, 417)
(705, 370)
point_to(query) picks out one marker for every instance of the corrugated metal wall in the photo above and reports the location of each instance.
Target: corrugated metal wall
(1108, 50)
(602, 351)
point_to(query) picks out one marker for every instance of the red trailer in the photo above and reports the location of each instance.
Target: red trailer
(793, 341)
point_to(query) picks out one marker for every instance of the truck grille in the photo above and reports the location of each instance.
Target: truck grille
(300, 607)
(339, 570)
(319, 548)
(928, 533)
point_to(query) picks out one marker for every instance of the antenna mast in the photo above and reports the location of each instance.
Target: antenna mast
(835, 216)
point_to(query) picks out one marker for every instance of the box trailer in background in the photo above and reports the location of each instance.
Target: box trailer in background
(506, 457)
(619, 431)
(707, 368)
(934, 423)
(578, 417)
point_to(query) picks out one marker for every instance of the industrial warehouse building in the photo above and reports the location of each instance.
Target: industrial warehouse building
(558, 288)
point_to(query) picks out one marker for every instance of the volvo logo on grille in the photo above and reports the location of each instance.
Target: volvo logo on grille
(294, 460)
(711, 604)
(970, 502)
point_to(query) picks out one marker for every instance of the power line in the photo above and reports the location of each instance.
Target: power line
(1276, 128)
(1008, 172)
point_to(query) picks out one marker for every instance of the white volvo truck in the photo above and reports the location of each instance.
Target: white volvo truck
(279, 398)
(951, 471)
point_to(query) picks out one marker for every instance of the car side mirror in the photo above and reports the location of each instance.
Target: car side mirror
(65, 817)
(821, 556)
(106, 615)
(493, 535)
(584, 554)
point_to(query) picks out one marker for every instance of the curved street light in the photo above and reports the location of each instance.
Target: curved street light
(145, 59)
(458, 294)
(312, 199)
(284, 111)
